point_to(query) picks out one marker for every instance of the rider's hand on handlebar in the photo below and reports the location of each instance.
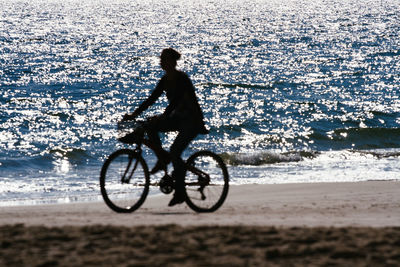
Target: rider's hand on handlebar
(129, 117)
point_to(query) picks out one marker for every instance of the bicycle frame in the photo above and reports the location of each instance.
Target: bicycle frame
(204, 178)
(126, 170)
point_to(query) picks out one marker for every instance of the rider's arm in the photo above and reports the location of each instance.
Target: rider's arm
(147, 103)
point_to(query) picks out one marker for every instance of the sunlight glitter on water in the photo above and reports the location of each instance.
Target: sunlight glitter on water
(271, 76)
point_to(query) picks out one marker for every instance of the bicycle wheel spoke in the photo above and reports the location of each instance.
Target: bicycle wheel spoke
(207, 182)
(124, 181)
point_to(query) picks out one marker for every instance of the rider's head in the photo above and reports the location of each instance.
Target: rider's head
(168, 58)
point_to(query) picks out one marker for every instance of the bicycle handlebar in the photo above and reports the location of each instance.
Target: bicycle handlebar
(130, 131)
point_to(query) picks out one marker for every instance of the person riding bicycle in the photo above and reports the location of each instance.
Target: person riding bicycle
(183, 114)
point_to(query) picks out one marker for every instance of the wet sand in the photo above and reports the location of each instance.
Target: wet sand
(258, 225)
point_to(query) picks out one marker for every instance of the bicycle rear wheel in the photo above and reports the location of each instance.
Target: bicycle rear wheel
(206, 182)
(124, 181)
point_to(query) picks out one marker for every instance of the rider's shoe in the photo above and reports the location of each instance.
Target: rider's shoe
(177, 199)
(158, 167)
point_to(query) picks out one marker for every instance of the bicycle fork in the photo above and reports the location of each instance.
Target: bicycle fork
(125, 178)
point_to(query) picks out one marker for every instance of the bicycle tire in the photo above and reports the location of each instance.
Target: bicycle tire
(129, 195)
(216, 190)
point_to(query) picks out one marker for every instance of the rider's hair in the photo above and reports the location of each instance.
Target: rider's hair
(171, 53)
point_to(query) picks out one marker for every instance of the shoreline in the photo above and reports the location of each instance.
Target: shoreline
(342, 204)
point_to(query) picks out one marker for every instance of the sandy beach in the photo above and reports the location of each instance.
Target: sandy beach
(372, 204)
(287, 224)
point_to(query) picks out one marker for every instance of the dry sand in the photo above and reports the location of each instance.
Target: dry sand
(375, 204)
(258, 225)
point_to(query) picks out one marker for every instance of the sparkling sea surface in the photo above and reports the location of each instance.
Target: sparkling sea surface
(292, 91)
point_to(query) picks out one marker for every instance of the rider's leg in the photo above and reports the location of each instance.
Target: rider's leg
(181, 142)
(153, 127)
(155, 144)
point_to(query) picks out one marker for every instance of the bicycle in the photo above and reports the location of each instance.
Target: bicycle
(125, 178)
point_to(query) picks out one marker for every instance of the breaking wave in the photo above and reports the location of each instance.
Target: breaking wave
(266, 157)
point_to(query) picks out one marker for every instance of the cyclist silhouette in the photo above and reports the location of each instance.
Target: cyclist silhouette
(183, 114)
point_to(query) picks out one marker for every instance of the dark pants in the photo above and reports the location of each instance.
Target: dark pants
(186, 133)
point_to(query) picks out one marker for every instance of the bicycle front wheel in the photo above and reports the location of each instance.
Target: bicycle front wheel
(206, 182)
(124, 181)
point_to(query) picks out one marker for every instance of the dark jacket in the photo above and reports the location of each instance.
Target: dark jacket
(182, 100)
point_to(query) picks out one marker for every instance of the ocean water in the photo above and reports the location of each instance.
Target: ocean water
(292, 91)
